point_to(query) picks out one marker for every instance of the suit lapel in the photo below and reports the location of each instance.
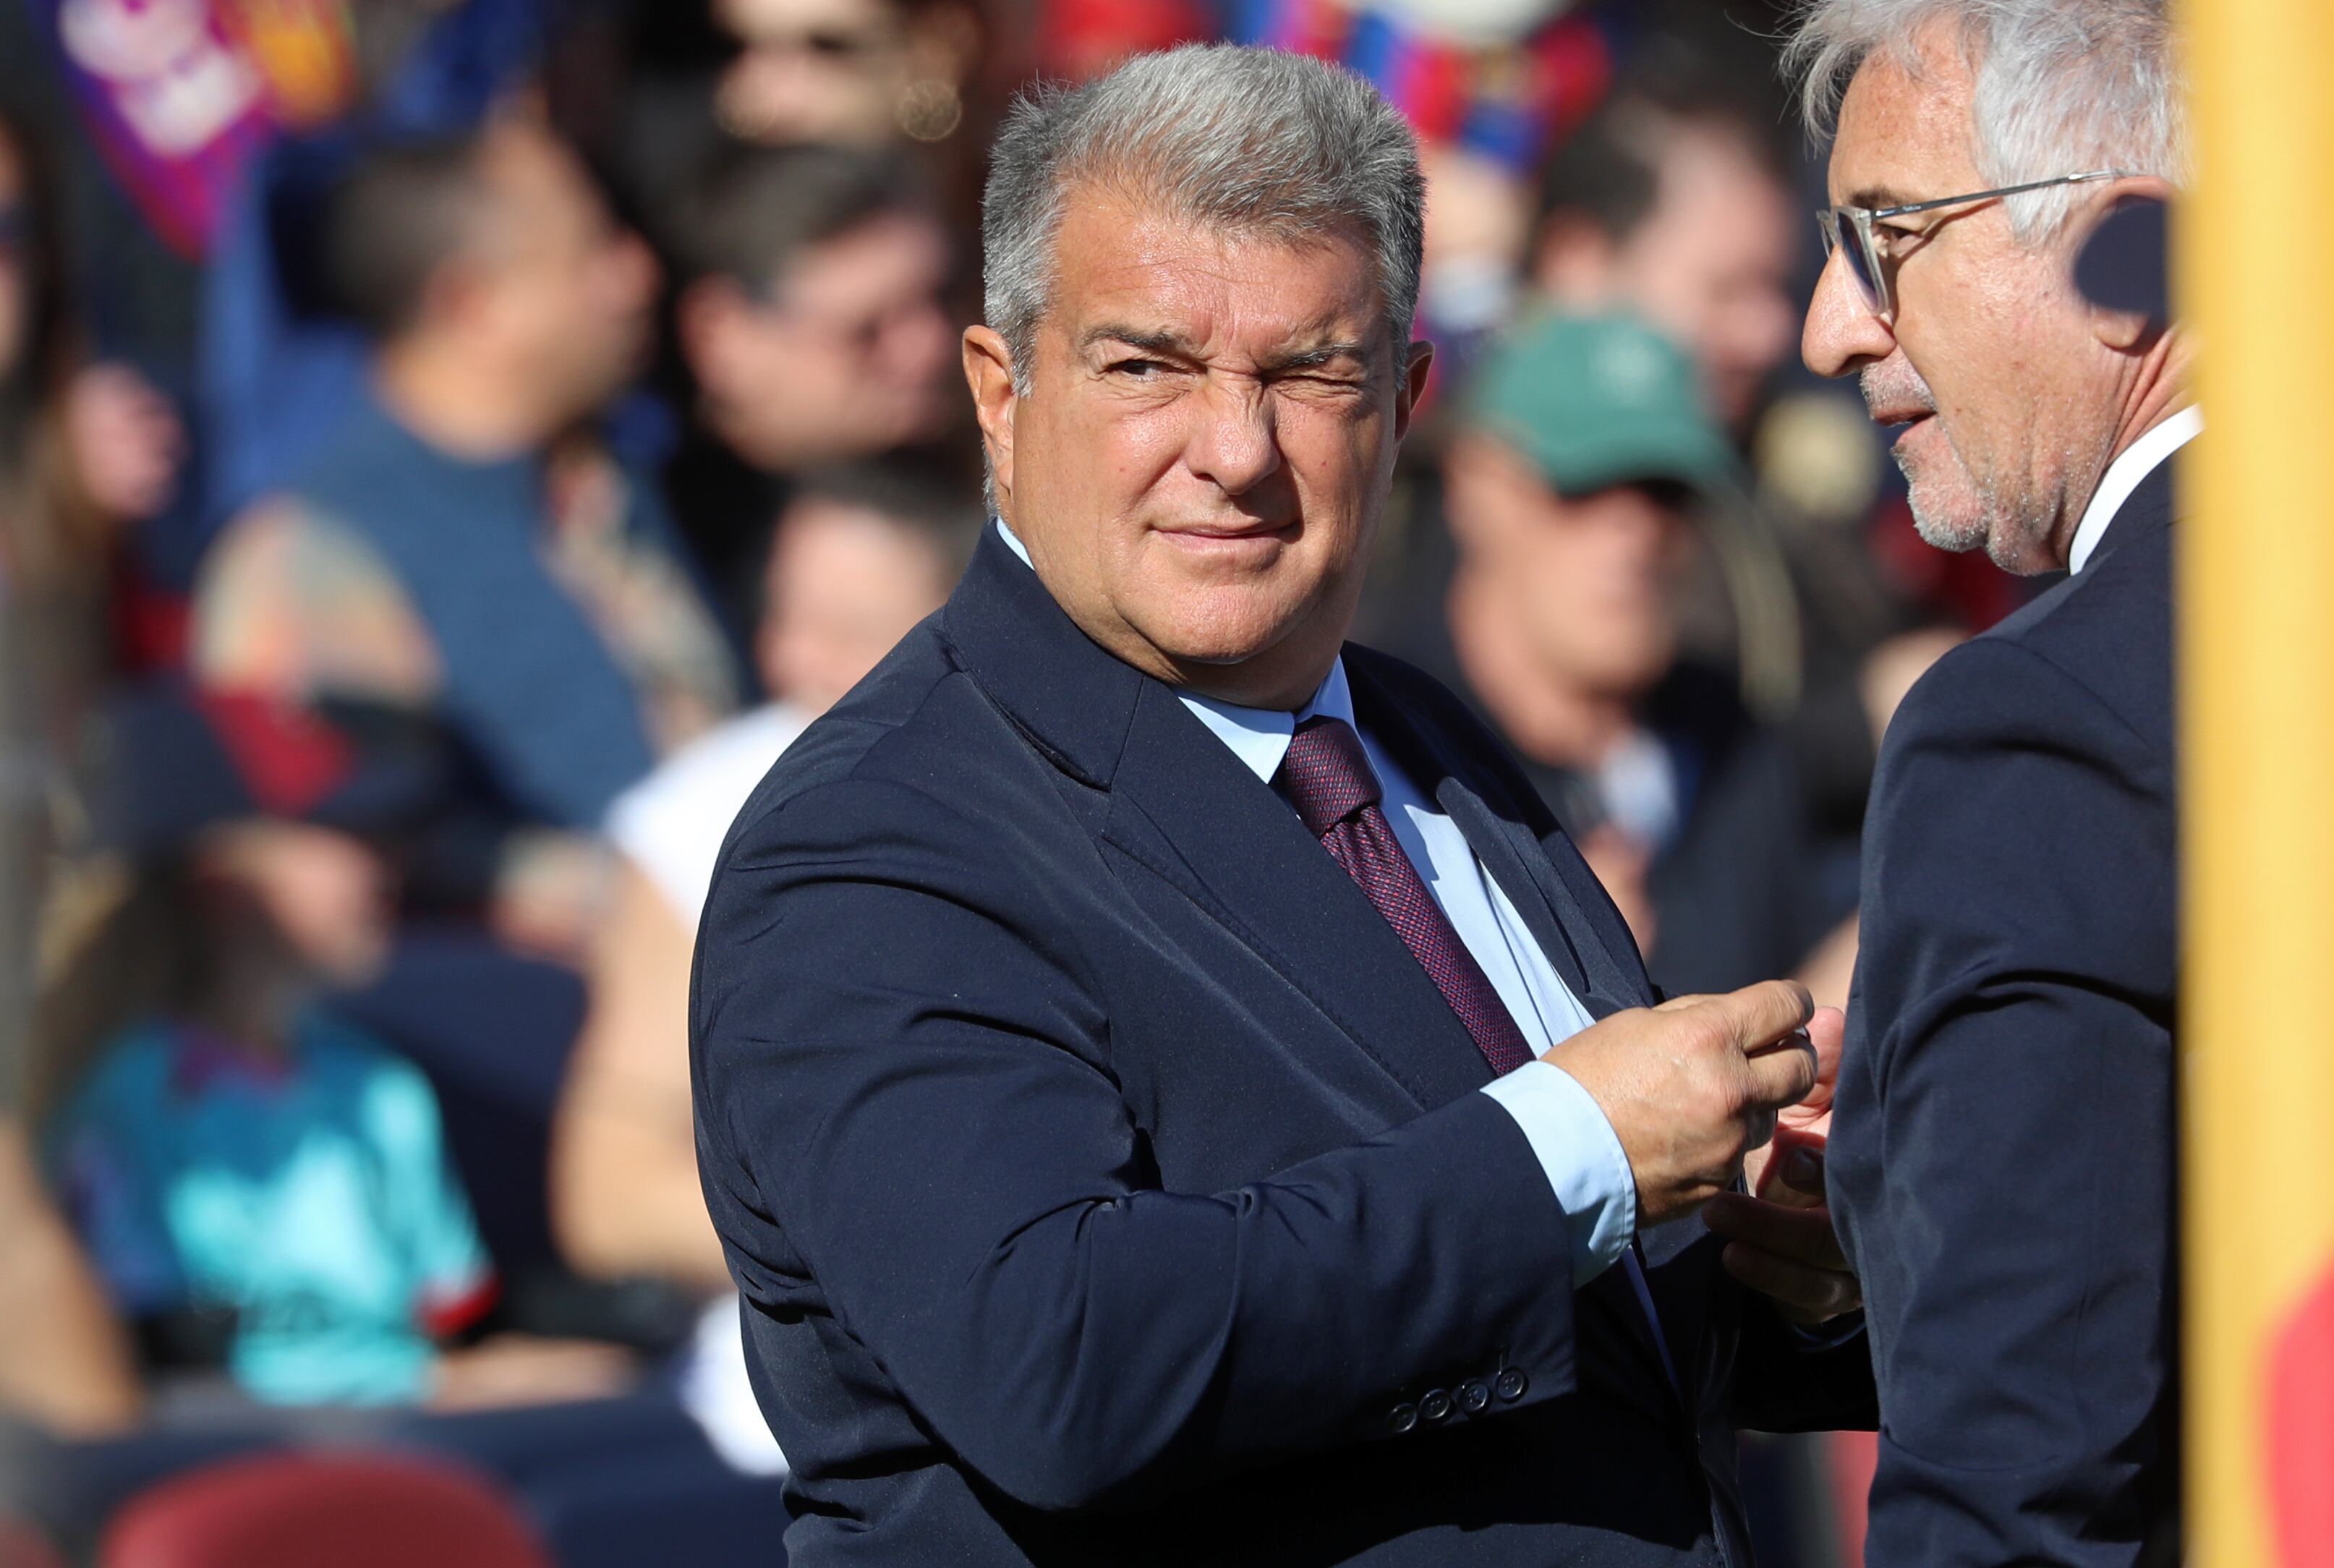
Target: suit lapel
(1185, 808)
(1562, 905)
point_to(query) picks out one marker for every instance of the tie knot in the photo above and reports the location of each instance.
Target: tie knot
(1327, 775)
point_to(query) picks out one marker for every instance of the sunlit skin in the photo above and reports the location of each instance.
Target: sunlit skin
(1200, 463)
(2013, 394)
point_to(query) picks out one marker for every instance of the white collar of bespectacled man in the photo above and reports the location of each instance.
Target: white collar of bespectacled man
(2126, 474)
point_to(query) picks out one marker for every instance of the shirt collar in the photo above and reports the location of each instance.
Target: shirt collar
(2125, 475)
(1258, 737)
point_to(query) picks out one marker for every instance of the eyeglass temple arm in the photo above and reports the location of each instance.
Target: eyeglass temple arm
(2004, 190)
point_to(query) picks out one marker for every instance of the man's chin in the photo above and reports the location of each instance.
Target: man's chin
(1957, 535)
(2005, 545)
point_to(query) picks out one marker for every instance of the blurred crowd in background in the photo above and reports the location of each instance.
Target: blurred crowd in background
(449, 448)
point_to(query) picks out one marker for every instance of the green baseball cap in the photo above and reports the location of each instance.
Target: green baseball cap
(1598, 400)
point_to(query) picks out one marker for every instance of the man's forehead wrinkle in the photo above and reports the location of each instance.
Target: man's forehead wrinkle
(1188, 306)
(1903, 137)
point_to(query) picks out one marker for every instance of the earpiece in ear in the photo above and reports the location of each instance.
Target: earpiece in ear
(2125, 265)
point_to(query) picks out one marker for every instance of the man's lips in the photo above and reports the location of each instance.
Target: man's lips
(1214, 533)
(1904, 421)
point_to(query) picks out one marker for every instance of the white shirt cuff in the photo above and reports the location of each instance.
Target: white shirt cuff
(1582, 1155)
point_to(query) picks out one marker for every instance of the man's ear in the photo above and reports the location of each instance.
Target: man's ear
(1412, 388)
(2124, 331)
(989, 371)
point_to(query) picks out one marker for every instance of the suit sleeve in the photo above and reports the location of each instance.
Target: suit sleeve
(2003, 1151)
(900, 1062)
(1788, 1378)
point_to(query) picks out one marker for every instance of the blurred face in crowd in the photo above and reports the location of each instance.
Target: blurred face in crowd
(846, 357)
(845, 71)
(1203, 452)
(845, 585)
(1993, 366)
(553, 290)
(1709, 266)
(323, 895)
(1589, 582)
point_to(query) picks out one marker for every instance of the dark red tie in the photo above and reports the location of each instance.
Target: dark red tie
(1327, 778)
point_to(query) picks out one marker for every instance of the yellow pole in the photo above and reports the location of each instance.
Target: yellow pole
(2256, 267)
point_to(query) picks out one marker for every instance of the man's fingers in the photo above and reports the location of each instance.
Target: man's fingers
(1810, 1293)
(1803, 1235)
(1827, 1033)
(1763, 1014)
(1774, 1079)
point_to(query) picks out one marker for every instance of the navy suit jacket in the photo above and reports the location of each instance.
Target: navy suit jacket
(1106, 1184)
(2002, 1162)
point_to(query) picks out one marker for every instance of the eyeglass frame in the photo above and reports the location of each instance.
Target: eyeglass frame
(1880, 298)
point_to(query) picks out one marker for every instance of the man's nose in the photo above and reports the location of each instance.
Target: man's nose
(1236, 443)
(1843, 333)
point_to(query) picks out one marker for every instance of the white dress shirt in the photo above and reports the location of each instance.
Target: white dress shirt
(1574, 1143)
(2126, 474)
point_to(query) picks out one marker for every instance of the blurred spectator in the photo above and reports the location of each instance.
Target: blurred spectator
(1673, 201)
(861, 72)
(64, 1363)
(859, 558)
(458, 546)
(1573, 489)
(85, 449)
(262, 1187)
(696, 82)
(163, 115)
(810, 320)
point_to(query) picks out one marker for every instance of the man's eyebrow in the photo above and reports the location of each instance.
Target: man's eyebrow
(1314, 358)
(1875, 196)
(1160, 342)
(1165, 340)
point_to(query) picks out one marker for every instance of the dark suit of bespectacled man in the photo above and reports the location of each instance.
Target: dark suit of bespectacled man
(1167, 1090)
(2003, 1163)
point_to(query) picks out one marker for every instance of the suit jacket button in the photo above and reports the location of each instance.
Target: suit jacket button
(1435, 1406)
(1473, 1397)
(1510, 1384)
(1402, 1418)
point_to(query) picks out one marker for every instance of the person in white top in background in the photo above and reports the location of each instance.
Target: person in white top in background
(857, 559)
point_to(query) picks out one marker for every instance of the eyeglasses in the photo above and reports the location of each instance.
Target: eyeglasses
(1873, 268)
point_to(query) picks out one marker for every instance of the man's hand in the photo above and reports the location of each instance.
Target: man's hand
(1789, 1167)
(1787, 1251)
(1692, 1085)
(1780, 1242)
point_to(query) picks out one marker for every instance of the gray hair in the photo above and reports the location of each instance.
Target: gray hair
(1250, 141)
(2062, 86)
